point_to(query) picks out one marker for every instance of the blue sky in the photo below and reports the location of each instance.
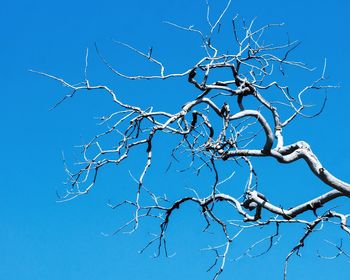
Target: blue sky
(43, 239)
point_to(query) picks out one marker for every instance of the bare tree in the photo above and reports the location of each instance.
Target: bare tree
(230, 120)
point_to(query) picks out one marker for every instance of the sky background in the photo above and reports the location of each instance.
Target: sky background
(43, 239)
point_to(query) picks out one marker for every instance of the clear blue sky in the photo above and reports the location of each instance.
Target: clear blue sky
(43, 239)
